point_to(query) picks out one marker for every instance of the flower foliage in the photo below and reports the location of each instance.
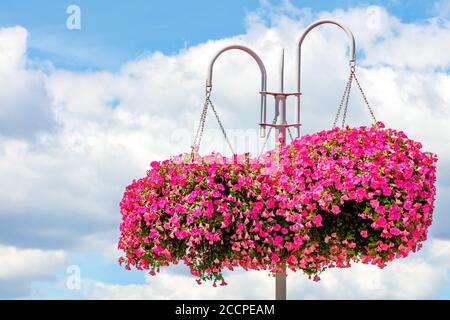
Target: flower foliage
(325, 200)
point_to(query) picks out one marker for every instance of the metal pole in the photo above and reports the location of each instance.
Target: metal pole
(280, 102)
(352, 53)
(280, 105)
(262, 68)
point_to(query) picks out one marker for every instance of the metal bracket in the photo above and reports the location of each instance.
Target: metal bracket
(263, 77)
(352, 57)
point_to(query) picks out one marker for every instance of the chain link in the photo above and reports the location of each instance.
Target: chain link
(344, 115)
(290, 134)
(221, 126)
(267, 135)
(345, 98)
(201, 125)
(365, 98)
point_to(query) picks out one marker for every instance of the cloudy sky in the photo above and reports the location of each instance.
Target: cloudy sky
(84, 111)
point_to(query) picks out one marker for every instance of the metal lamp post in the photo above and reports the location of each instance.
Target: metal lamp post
(280, 124)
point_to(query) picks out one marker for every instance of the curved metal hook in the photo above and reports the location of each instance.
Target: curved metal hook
(352, 58)
(263, 77)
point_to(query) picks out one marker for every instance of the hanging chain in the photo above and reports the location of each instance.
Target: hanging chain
(268, 135)
(364, 97)
(201, 125)
(346, 96)
(221, 126)
(290, 134)
(344, 115)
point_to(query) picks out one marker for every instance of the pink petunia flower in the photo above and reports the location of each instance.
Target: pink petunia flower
(317, 220)
(335, 209)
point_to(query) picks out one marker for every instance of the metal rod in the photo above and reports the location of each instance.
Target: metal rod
(280, 101)
(263, 78)
(280, 105)
(280, 285)
(352, 57)
(282, 71)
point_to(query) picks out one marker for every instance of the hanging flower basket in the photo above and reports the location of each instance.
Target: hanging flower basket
(325, 200)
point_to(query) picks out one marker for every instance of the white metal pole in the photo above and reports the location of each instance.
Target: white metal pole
(263, 78)
(280, 101)
(352, 54)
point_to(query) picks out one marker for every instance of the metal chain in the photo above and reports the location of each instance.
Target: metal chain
(201, 125)
(346, 96)
(344, 115)
(364, 97)
(267, 135)
(221, 126)
(343, 99)
(290, 134)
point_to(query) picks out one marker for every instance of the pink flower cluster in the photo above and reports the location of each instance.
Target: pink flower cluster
(325, 200)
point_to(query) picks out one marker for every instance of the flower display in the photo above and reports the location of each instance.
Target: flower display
(325, 200)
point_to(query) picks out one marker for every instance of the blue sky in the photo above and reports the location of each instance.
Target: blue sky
(71, 78)
(112, 33)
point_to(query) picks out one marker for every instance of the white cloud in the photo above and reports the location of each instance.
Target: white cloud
(16, 262)
(417, 277)
(25, 108)
(439, 252)
(369, 282)
(163, 287)
(20, 267)
(13, 47)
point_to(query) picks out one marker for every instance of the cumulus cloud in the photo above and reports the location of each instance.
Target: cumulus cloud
(161, 287)
(70, 141)
(25, 108)
(20, 267)
(418, 277)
